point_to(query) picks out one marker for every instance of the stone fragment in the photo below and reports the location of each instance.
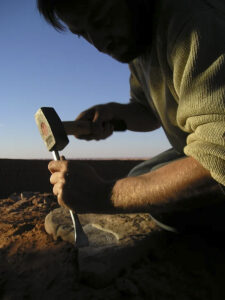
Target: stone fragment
(115, 242)
(58, 223)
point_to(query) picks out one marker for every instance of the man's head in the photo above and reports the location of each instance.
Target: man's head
(114, 27)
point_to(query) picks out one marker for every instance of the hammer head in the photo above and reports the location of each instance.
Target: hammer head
(51, 129)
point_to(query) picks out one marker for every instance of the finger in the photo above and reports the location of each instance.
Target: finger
(58, 191)
(85, 137)
(86, 114)
(58, 177)
(60, 201)
(96, 117)
(62, 158)
(102, 130)
(81, 127)
(98, 129)
(96, 132)
(107, 130)
(100, 117)
(99, 133)
(58, 165)
(62, 195)
(54, 166)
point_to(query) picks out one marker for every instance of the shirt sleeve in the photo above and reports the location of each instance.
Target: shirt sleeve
(198, 65)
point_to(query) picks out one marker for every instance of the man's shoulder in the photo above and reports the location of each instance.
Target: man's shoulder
(188, 7)
(175, 15)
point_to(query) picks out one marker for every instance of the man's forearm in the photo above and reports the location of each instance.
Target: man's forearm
(136, 116)
(167, 185)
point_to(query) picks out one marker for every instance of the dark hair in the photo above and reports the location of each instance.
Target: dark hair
(48, 9)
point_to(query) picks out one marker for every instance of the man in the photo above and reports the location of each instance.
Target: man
(176, 53)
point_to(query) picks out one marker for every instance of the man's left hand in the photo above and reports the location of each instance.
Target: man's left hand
(78, 187)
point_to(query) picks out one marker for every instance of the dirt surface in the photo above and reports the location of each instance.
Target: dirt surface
(34, 266)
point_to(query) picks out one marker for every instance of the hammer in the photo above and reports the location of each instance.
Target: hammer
(53, 133)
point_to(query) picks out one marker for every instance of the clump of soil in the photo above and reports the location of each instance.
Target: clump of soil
(34, 266)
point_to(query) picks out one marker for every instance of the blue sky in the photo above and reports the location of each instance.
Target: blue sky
(42, 67)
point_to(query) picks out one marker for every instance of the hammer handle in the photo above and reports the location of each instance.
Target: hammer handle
(84, 127)
(77, 127)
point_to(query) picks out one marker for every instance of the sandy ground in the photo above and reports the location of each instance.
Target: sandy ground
(33, 266)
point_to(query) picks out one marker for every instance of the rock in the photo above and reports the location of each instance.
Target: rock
(58, 223)
(115, 242)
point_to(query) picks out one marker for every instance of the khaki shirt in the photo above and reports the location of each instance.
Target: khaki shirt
(182, 79)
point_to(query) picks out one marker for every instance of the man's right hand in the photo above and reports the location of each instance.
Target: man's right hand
(100, 117)
(99, 121)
